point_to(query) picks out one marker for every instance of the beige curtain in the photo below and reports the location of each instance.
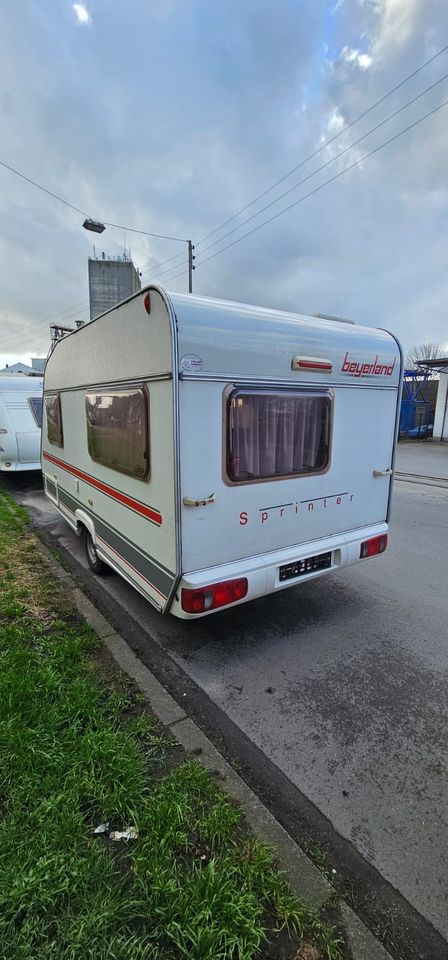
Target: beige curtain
(277, 435)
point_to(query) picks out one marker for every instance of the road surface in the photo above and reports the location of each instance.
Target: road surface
(341, 683)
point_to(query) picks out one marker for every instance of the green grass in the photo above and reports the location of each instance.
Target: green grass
(77, 749)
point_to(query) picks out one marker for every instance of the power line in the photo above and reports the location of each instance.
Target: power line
(326, 182)
(41, 187)
(326, 144)
(74, 306)
(144, 233)
(155, 277)
(23, 340)
(146, 264)
(61, 315)
(181, 274)
(107, 223)
(347, 126)
(327, 162)
(158, 274)
(33, 331)
(168, 279)
(27, 337)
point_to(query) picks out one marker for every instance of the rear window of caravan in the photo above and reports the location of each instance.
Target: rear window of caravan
(54, 419)
(117, 429)
(271, 435)
(36, 409)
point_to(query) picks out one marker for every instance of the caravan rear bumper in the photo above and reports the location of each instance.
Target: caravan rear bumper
(265, 573)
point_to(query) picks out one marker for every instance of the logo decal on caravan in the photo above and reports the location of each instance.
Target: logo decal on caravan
(375, 369)
(191, 362)
(287, 510)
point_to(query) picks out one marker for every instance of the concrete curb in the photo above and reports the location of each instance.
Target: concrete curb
(305, 880)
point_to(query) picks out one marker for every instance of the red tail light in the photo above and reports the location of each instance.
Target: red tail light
(370, 548)
(216, 595)
(147, 302)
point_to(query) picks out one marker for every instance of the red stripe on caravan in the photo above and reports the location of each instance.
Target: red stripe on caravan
(149, 512)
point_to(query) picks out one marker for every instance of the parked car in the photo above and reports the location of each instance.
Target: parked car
(420, 432)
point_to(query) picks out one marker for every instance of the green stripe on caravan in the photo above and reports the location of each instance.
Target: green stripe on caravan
(162, 580)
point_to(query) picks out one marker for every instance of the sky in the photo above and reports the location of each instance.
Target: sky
(170, 116)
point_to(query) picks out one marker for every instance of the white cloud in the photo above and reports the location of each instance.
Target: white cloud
(335, 122)
(398, 20)
(352, 55)
(82, 13)
(370, 245)
(365, 61)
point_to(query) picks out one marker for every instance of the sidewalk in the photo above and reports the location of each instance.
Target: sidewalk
(423, 458)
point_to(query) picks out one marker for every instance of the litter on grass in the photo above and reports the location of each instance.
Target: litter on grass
(131, 833)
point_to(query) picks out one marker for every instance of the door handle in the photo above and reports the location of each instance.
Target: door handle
(382, 473)
(190, 502)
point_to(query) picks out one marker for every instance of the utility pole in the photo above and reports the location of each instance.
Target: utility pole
(191, 266)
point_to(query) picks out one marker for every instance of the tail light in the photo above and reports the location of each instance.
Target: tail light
(370, 548)
(147, 302)
(216, 595)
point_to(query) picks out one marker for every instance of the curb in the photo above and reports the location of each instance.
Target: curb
(305, 880)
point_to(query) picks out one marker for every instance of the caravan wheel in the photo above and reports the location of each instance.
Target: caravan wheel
(93, 559)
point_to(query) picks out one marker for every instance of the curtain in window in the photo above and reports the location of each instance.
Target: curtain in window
(277, 435)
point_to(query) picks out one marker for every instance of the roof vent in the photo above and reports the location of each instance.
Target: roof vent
(329, 316)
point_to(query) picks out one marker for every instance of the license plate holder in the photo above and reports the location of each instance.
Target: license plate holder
(299, 568)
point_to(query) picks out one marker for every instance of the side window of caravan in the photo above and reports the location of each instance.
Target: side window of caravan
(36, 409)
(281, 434)
(54, 419)
(117, 430)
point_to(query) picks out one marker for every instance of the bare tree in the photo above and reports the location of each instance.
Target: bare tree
(425, 351)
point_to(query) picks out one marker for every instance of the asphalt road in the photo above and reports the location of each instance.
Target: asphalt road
(424, 457)
(341, 683)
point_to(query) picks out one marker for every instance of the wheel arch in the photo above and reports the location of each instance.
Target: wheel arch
(84, 522)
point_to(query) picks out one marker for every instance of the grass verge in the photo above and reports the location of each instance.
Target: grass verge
(78, 748)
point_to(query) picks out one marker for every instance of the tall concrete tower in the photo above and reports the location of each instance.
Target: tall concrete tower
(111, 279)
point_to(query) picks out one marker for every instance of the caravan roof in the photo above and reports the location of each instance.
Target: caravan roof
(218, 338)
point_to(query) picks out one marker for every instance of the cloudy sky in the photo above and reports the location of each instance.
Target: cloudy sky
(170, 116)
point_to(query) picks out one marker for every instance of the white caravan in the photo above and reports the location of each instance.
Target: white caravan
(20, 422)
(214, 452)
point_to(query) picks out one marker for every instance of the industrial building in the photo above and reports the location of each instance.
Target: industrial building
(111, 280)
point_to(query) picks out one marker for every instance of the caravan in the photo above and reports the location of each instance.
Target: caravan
(213, 452)
(20, 421)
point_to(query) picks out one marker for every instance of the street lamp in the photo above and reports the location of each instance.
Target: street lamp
(94, 225)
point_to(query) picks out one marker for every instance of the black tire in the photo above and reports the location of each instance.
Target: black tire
(95, 564)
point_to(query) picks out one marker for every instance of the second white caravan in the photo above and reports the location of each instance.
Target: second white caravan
(20, 422)
(214, 452)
